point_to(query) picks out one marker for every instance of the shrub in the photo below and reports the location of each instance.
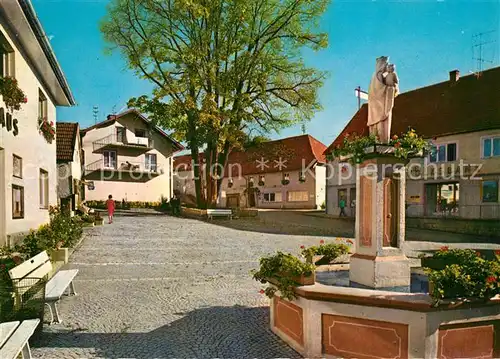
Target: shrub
(323, 205)
(284, 269)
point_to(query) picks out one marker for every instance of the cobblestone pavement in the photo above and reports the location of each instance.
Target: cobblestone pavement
(164, 287)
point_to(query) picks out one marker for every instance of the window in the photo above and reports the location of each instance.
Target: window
(443, 153)
(42, 105)
(140, 132)
(6, 58)
(151, 162)
(17, 202)
(491, 147)
(109, 158)
(272, 197)
(352, 197)
(121, 135)
(44, 189)
(489, 191)
(17, 166)
(298, 196)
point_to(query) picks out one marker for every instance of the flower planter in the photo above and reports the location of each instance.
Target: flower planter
(60, 255)
(306, 280)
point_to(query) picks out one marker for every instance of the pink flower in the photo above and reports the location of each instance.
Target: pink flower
(25, 100)
(262, 291)
(322, 242)
(52, 123)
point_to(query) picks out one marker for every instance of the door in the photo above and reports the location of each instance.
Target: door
(431, 194)
(233, 200)
(251, 197)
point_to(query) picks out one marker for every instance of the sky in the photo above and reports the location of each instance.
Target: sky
(425, 39)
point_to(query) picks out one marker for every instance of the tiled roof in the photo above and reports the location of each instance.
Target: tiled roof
(292, 150)
(113, 118)
(470, 104)
(66, 136)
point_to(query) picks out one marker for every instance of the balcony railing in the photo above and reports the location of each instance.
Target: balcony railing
(124, 167)
(115, 140)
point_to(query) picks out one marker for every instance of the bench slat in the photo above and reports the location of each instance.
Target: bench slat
(59, 283)
(6, 329)
(19, 339)
(25, 268)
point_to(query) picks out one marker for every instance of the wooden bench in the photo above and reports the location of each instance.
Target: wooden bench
(211, 213)
(14, 338)
(39, 267)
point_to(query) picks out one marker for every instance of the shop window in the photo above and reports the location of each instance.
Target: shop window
(298, 196)
(17, 202)
(489, 191)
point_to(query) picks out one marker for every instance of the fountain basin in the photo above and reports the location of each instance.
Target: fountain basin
(333, 321)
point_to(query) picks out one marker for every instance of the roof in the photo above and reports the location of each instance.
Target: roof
(112, 118)
(67, 134)
(468, 105)
(293, 151)
(21, 19)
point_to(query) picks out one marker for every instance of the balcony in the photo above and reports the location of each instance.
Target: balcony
(134, 169)
(115, 142)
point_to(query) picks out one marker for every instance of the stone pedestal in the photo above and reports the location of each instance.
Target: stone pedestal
(379, 261)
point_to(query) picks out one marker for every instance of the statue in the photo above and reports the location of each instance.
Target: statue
(384, 87)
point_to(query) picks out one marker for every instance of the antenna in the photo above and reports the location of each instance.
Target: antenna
(479, 42)
(95, 112)
(303, 128)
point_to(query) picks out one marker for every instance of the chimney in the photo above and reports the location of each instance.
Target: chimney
(112, 117)
(454, 76)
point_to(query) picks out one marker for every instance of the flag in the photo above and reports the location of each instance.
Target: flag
(361, 94)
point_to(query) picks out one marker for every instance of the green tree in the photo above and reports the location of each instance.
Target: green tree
(220, 68)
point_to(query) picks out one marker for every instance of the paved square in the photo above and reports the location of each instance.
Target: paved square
(165, 287)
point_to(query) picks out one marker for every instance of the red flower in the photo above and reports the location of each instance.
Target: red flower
(262, 291)
(497, 252)
(321, 242)
(395, 137)
(17, 259)
(302, 246)
(2, 266)
(349, 241)
(443, 248)
(397, 145)
(25, 100)
(52, 123)
(478, 253)
(491, 279)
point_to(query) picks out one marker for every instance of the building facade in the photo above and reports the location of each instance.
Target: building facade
(28, 178)
(460, 176)
(283, 174)
(129, 158)
(69, 166)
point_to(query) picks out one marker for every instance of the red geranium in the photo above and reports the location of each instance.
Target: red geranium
(478, 253)
(443, 248)
(17, 259)
(262, 291)
(491, 279)
(397, 144)
(497, 252)
(321, 242)
(302, 246)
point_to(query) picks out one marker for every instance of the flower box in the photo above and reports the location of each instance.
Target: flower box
(60, 255)
(302, 279)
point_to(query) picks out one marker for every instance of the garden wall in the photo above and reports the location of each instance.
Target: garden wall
(482, 227)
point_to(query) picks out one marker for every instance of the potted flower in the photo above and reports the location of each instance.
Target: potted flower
(286, 179)
(262, 181)
(47, 129)
(12, 95)
(250, 182)
(60, 253)
(324, 253)
(87, 221)
(302, 177)
(285, 272)
(98, 220)
(230, 183)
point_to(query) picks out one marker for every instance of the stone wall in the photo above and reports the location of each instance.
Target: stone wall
(481, 227)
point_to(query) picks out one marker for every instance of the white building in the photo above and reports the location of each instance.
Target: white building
(128, 157)
(27, 161)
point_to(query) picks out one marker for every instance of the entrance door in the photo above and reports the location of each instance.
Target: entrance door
(251, 197)
(233, 200)
(431, 198)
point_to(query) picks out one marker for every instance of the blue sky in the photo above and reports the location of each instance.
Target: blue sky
(425, 39)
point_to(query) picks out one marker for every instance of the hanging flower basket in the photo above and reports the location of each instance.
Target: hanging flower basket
(12, 95)
(285, 182)
(47, 129)
(302, 179)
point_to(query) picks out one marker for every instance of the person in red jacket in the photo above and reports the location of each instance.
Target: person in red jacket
(110, 204)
